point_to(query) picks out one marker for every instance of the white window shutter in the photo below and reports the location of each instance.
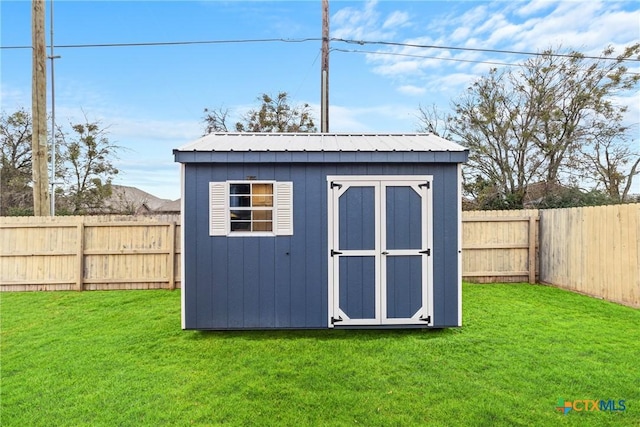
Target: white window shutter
(284, 208)
(218, 209)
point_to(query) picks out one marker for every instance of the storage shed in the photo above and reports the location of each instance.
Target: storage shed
(321, 231)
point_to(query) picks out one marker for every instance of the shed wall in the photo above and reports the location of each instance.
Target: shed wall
(282, 281)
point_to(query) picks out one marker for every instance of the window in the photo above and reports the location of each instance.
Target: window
(251, 206)
(256, 208)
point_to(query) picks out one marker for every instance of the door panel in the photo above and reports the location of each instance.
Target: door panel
(357, 219)
(404, 286)
(403, 222)
(357, 290)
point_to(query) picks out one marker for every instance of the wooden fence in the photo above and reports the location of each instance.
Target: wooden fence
(89, 253)
(500, 246)
(128, 252)
(593, 250)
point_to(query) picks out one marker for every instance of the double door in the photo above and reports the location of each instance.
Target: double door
(380, 250)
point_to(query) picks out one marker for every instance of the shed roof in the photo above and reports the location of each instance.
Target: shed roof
(325, 147)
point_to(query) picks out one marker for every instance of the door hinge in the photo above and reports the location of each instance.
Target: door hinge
(426, 184)
(427, 252)
(335, 252)
(336, 319)
(425, 319)
(335, 184)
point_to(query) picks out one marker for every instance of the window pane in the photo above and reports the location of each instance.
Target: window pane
(240, 189)
(263, 201)
(240, 226)
(262, 226)
(241, 215)
(262, 188)
(240, 201)
(262, 215)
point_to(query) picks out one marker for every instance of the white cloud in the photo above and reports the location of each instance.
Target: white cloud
(12, 99)
(398, 67)
(412, 90)
(533, 7)
(367, 23)
(396, 19)
(460, 34)
(523, 26)
(388, 118)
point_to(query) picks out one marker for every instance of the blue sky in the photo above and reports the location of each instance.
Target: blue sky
(151, 98)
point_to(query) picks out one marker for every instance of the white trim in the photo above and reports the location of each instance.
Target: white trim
(428, 221)
(381, 262)
(365, 178)
(459, 244)
(379, 281)
(183, 284)
(330, 213)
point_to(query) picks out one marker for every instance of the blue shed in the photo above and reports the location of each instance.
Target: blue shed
(321, 231)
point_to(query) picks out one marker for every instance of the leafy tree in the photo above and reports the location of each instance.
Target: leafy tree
(543, 121)
(89, 156)
(16, 195)
(84, 163)
(274, 115)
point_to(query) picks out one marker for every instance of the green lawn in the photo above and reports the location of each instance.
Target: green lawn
(119, 358)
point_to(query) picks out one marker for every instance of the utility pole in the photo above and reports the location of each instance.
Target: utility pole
(324, 82)
(39, 111)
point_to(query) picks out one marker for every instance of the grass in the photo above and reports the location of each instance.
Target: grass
(120, 358)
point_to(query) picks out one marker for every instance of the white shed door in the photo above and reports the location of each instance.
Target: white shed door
(380, 247)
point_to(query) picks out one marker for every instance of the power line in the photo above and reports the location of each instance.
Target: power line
(425, 57)
(177, 43)
(348, 41)
(471, 49)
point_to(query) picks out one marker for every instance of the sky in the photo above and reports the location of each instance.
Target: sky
(150, 99)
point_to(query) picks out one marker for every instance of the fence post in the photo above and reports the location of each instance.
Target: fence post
(80, 255)
(532, 249)
(172, 255)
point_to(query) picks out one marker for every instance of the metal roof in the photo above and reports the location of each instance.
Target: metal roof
(302, 142)
(321, 147)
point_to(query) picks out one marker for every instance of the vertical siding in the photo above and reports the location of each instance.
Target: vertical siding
(282, 281)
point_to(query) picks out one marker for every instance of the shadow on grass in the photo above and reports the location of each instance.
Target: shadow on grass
(323, 334)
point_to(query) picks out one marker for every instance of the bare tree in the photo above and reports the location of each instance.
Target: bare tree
(614, 163)
(215, 120)
(539, 123)
(433, 120)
